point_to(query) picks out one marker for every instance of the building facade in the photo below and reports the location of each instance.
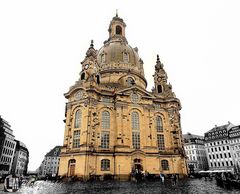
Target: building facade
(50, 164)
(234, 142)
(113, 124)
(7, 147)
(21, 159)
(218, 148)
(196, 153)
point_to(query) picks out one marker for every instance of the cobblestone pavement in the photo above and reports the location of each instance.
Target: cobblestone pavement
(187, 186)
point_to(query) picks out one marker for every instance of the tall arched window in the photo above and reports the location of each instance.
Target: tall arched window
(159, 124)
(105, 120)
(83, 76)
(105, 164)
(78, 117)
(165, 165)
(135, 131)
(135, 121)
(119, 30)
(125, 57)
(103, 58)
(159, 89)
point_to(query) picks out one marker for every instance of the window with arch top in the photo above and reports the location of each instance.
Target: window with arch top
(78, 118)
(159, 124)
(125, 57)
(119, 30)
(105, 120)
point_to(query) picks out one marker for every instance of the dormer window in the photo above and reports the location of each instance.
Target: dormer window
(118, 30)
(125, 57)
(103, 58)
(130, 81)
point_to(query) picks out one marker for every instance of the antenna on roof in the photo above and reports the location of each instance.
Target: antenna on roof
(116, 12)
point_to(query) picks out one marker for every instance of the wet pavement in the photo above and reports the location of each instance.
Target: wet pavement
(187, 186)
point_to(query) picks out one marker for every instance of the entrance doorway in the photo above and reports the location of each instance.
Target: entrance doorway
(137, 164)
(71, 167)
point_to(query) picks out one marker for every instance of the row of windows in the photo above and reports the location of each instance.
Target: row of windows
(220, 156)
(194, 146)
(7, 151)
(106, 121)
(106, 125)
(5, 159)
(237, 147)
(201, 152)
(221, 164)
(217, 143)
(198, 158)
(125, 57)
(9, 144)
(105, 165)
(219, 149)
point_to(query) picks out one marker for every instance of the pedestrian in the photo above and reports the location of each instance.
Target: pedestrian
(162, 177)
(174, 179)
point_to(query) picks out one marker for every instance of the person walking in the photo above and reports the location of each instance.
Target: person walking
(162, 177)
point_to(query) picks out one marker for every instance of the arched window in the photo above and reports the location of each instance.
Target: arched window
(165, 165)
(98, 79)
(135, 131)
(103, 58)
(83, 76)
(105, 165)
(125, 57)
(159, 89)
(119, 30)
(78, 117)
(135, 121)
(105, 120)
(159, 124)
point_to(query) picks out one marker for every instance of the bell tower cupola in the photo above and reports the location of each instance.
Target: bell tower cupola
(117, 28)
(160, 81)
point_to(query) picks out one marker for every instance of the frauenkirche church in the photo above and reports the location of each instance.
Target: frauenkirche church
(113, 124)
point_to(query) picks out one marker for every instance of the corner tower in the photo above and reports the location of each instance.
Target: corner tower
(114, 126)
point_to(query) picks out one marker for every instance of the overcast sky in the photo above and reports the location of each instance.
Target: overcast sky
(43, 42)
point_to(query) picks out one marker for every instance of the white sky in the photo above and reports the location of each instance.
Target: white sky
(43, 42)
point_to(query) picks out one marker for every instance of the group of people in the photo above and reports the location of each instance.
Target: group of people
(173, 178)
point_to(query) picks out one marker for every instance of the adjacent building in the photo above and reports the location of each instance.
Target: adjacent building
(234, 142)
(21, 159)
(50, 164)
(113, 124)
(218, 148)
(196, 153)
(7, 148)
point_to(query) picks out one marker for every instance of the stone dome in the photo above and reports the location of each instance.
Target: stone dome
(117, 54)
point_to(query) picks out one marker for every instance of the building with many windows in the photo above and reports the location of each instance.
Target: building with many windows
(21, 159)
(7, 148)
(50, 164)
(218, 148)
(113, 124)
(196, 153)
(234, 142)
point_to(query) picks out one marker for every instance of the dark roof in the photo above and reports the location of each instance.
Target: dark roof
(54, 152)
(192, 136)
(222, 127)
